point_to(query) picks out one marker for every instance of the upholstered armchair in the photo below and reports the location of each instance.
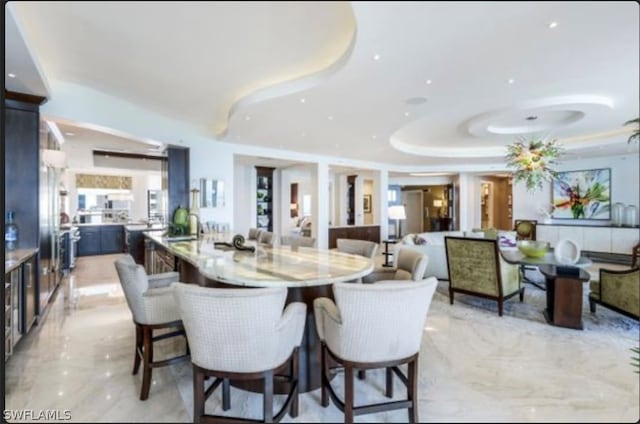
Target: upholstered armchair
(153, 307)
(618, 291)
(373, 326)
(476, 268)
(410, 265)
(241, 334)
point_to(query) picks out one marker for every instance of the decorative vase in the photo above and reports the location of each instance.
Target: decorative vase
(617, 214)
(630, 216)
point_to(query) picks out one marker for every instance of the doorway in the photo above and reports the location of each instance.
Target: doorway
(413, 202)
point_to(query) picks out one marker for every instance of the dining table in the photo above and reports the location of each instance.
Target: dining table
(306, 272)
(563, 285)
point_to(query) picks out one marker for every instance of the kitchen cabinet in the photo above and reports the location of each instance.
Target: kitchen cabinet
(604, 239)
(21, 300)
(175, 179)
(111, 239)
(89, 243)
(100, 239)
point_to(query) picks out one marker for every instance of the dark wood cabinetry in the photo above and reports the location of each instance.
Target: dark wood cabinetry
(22, 165)
(100, 240)
(112, 239)
(368, 232)
(134, 241)
(351, 199)
(175, 179)
(264, 198)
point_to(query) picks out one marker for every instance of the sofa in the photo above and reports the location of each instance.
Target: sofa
(432, 244)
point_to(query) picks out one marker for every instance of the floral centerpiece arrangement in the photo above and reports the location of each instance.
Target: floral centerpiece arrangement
(532, 160)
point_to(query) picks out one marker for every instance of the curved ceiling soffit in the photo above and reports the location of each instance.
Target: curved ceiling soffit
(562, 111)
(296, 85)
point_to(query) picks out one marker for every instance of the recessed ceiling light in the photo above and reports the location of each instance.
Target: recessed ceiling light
(302, 100)
(511, 80)
(304, 134)
(337, 144)
(330, 118)
(416, 100)
(70, 134)
(374, 137)
(428, 82)
(553, 25)
(376, 56)
(10, 75)
(406, 114)
(247, 118)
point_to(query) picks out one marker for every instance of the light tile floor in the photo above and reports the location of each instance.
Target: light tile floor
(474, 367)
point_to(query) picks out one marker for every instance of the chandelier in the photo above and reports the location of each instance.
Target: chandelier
(532, 160)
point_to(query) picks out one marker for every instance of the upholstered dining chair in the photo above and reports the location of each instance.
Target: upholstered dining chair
(253, 234)
(635, 256)
(297, 241)
(241, 334)
(266, 237)
(153, 307)
(618, 291)
(373, 326)
(525, 229)
(410, 265)
(365, 248)
(477, 268)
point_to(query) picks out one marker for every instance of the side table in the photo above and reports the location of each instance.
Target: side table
(386, 252)
(564, 296)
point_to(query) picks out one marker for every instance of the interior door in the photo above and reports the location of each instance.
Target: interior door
(412, 201)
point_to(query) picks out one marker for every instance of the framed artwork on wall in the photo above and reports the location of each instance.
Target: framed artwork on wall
(367, 203)
(584, 194)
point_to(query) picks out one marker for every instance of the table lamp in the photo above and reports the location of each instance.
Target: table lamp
(438, 203)
(397, 212)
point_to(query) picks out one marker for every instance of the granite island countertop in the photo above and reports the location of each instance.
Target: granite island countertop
(13, 259)
(277, 266)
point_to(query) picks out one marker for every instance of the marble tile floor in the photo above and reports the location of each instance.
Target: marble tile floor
(474, 366)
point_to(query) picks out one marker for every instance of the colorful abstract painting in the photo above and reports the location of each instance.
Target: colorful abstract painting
(582, 194)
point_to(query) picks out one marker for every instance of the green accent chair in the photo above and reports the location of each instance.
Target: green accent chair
(618, 291)
(477, 268)
(525, 229)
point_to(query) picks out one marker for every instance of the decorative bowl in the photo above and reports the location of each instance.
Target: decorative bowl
(533, 249)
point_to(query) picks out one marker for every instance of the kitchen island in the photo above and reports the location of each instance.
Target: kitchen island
(307, 273)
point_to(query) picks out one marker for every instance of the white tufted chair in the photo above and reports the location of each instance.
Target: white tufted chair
(364, 248)
(266, 237)
(253, 234)
(297, 241)
(373, 326)
(241, 334)
(410, 265)
(153, 307)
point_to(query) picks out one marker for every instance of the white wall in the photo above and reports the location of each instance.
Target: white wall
(624, 187)
(244, 189)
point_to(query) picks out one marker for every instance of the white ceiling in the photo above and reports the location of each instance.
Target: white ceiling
(241, 70)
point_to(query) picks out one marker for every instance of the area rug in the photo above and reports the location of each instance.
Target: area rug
(535, 301)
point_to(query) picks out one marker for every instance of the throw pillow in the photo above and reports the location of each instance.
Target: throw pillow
(408, 239)
(507, 238)
(419, 240)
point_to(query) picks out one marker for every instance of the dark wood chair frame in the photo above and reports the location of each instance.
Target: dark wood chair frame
(391, 367)
(200, 395)
(144, 351)
(635, 256)
(593, 301)
(500, 298)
